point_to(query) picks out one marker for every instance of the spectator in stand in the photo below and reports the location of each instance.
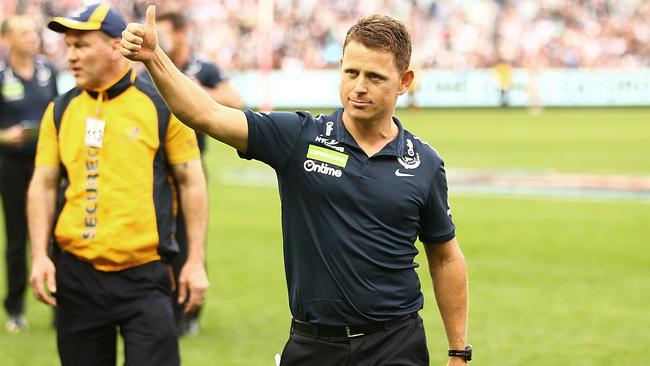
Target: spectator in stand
(446, 33)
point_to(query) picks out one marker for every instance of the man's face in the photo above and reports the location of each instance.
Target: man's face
(21, 37)
(91, 55)
(170, 39)
(370, 83)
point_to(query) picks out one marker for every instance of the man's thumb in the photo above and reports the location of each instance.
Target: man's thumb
(151, 17)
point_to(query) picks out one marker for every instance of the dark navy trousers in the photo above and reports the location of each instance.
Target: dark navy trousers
(402, 344)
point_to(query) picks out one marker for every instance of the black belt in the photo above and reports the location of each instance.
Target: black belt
(349, 331)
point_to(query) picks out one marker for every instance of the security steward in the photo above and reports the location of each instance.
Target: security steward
(109, 145)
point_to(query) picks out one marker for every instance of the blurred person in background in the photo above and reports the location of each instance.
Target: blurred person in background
(357, 189)
(534, 69)
(413, 89)
(106, 149)
(503, 72)
(27, 85)
(174, 32)
(174, 35)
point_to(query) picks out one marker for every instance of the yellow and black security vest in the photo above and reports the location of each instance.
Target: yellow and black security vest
(116, 206)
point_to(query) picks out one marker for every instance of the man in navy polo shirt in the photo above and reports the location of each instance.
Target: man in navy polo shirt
(27, 85)
(357, 190)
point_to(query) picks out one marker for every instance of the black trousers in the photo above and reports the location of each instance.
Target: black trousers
(401, 344)
(92, 306)
(15, 174)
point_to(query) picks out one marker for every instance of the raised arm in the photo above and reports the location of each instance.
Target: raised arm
(225, 94)
(449, 276)
(41, 206)
(189, 102)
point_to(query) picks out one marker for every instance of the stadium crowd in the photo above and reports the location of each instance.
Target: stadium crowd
(450, 34)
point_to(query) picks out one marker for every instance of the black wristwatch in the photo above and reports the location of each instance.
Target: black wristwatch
(465, 354)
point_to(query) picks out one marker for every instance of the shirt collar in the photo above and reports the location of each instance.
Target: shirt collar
(115, 87)
(397, 147)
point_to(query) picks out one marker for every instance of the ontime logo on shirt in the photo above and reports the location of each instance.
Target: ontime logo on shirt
(322, 168)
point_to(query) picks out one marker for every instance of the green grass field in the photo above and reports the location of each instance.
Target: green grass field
(552, 282)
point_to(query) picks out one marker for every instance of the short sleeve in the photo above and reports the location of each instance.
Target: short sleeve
(272, 136)
(180, 143)
(47, 149)
(436, 226)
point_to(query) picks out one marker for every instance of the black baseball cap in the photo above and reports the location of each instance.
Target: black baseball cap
(102, 17)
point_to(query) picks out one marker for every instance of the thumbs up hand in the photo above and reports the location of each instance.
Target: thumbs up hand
(139, 41)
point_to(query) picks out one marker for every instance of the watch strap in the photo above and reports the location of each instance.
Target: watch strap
(465, 354)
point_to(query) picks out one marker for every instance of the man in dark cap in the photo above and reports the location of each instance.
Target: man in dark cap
(106, 149)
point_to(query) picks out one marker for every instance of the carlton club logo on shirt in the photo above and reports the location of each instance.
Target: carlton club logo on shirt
(410, 161)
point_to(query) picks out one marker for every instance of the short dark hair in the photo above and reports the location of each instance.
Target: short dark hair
(384, 33)
(179, 20)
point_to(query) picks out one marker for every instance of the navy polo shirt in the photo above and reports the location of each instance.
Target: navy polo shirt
(350, 222)
(25, 101)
